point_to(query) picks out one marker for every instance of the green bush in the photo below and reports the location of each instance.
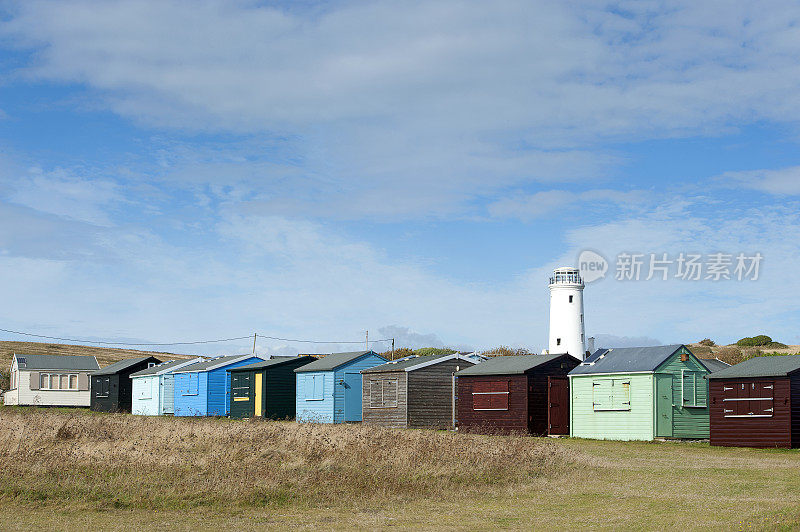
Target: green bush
(755, 341)
(439, 351)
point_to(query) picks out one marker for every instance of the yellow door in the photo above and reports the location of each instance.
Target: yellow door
(258, 394)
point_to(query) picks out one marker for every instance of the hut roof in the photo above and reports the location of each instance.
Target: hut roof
(626, 359)
(165, 367)
(213, 363)
(714, 364)
(509, 365)
(413, 362)
(67, 362)
(274, 361)
(333, 361)
(777, 366)
(123, 365)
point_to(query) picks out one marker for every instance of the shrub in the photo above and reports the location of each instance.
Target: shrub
(505, 351)
(708, 342)
(755, 341)
(731, 355)
(439, 351)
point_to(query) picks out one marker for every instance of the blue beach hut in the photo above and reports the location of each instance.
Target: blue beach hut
(329, 389)
(203, 388)
(154, 388)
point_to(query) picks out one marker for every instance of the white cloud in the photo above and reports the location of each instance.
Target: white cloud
(784, 181)
(558, 202)
(398, 110)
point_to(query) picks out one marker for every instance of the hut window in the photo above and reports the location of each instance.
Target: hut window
(44, 383)
(73, 382)
(491, 395)
(145, 389)
(192, 384)
(103, 387)
(240, 385)
(694, 389)
(611, 394)
(749, 399)
(383, 393)
(314, 385)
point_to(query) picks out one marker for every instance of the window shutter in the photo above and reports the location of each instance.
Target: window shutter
(318, 386)
(375, 394)
(34, 380)
(390, 393)
(83, 382)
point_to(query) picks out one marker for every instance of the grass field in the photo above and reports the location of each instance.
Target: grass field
(74, 470)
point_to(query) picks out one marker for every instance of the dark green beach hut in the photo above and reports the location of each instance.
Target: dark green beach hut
(266, 389)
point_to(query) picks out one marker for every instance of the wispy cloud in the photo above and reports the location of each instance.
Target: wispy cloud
(783, 181)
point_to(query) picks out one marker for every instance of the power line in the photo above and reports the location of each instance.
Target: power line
(125, 343)
(320, 341)
(189, 343)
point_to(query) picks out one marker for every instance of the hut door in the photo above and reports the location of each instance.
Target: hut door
(664, 406)
(557, 405)
(352, 396)
(259, 391)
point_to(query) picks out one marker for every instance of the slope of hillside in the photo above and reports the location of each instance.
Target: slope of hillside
(104, 355)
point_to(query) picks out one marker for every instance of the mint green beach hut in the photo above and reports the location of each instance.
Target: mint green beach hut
(640, 393)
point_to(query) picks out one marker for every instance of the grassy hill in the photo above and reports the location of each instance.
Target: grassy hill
(104, 355)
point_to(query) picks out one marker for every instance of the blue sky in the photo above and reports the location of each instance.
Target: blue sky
(181, 171)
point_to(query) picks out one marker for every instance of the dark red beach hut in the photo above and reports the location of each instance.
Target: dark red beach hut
(525, 393)
(757, 403)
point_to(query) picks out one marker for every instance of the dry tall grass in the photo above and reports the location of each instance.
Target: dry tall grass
(122, 461)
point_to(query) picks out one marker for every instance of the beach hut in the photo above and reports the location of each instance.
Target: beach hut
(50, 380)
(111, 386)
(203, 388)
(639, 393)
(329, 389)
(756, 403)
(154, 388)
(523, 393)
(266, 389)
(412, 392)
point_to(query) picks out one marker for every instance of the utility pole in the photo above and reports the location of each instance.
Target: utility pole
(255, 335)
(367, 340)
(392, 348)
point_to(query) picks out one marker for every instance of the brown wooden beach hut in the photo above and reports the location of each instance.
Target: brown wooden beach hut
(756, 403)
(525, 393)
(412, 392)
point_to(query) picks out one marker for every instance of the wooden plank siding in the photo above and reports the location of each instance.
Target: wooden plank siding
(430, 394)
(794, 401)
(280, 389)
(637, 423)
(310, 410)
(514, 419)
(355, 366)
(396, 417)
(538, 391)
(687, 421)
(763, 432)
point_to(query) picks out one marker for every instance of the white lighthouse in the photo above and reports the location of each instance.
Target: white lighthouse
(566, 313)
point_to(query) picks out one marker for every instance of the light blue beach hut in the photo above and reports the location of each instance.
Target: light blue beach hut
(203, 388)
(154, 388)
(329, 389)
